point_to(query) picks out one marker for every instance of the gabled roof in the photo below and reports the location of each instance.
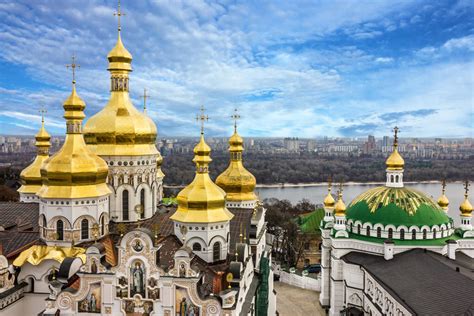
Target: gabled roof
(424, 282)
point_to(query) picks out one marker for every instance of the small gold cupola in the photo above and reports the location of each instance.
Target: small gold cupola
(340, 207)
(466, 206)
(395, 160)
(120, 129)
(74, 171)
(443, 201)
(236, 180)
(202, 201)
(31, 176)
(329, 200)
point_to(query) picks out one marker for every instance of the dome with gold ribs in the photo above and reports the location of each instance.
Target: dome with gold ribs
(74, 171)
(202, 201)
(236, 181)
(31, 176)
(119, 129)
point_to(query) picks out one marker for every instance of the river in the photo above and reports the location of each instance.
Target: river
(316, 193)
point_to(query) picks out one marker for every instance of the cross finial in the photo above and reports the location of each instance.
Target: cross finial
(235, 117)
(73, 67)
(329, 183)
(203, 118)
(396, 130)
(340, 190)
(42, 111)
(443, 185)
(145, 97)
(466, 188)
(119, 14)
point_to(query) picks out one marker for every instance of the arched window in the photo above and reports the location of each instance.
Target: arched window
(434, 233)
(44, 224)
(196, 246)
(424, 233)
(402, 234)
(350, 228)
(413, 234)
(84, 229)
(396, 178)
(216, 251)
(368, 231)
(390, 233)
(125, 205)
(60, 229)
(142, 202)
(379, 232)
(391, 178)
(102, 225)
(358, 229)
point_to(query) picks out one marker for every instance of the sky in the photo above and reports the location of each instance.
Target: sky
(292, 68)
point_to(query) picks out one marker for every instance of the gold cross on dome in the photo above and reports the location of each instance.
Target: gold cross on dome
(340, 189)
(396, 130)
(443, 185)
(42, 111)
(73, 67)
(119, 14)
(203, 118)
(466, 188)
(145, 97)
(329, 183)
(235, 117)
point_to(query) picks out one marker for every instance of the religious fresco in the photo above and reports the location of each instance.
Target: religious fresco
(183, 304)
(137, 307)
(92, 302)
(137, 279)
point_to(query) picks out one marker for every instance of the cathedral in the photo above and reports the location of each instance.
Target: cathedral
(96, 239)
(395, 251)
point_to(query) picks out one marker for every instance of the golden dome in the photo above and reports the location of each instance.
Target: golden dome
(395, 160)
(236, 181)
(329, 200)
(340, 207)
(119, 129)
(31, 176)
(466, 206)
(74, 171)
(443, 201)
(202, 201)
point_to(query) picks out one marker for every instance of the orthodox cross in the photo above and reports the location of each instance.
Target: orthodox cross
(466, 188)
(340, 190)
(329, 184)
(42, 111)
(203, 118)
(119, 14)
(145, 96)
(396, 130)
(73, 67)
(443, 185)
(235, 117)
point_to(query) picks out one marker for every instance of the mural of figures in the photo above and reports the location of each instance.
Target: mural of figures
(137, 279)
(184, 305)
(137, 308)
(92, 302)
(154, 294)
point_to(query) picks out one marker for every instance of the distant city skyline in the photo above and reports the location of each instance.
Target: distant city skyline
(293, 69)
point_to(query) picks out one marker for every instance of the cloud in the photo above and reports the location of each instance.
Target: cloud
(384, 60)
(466, 42)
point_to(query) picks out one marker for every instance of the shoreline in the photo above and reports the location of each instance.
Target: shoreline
(321, 184)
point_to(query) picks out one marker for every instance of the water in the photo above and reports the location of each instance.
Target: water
(317, 192)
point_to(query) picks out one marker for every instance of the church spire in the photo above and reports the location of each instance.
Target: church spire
(395, 164)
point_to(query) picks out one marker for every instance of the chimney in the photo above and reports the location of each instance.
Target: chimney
(388, 246)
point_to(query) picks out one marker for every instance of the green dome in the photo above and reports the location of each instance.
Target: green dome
(396, 206)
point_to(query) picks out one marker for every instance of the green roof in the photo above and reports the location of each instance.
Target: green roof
(395, 215)
(309, 223)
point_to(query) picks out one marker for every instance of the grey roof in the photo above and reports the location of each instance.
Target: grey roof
(420, 280)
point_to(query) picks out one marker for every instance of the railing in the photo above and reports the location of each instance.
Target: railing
(304, 282)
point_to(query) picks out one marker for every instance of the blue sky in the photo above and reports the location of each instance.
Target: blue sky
(292, 68)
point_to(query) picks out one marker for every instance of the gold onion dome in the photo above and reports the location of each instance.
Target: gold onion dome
(31, 176)
(236, 181)
(202, 201)
(329, 200)
(74, 171)
(443, 201)
(119, 129)
(466, 206)
(395, 160)
(340, 207)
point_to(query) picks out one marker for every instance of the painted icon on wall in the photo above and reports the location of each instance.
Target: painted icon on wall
(137, 279)
(183, 304)
(92, 302)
